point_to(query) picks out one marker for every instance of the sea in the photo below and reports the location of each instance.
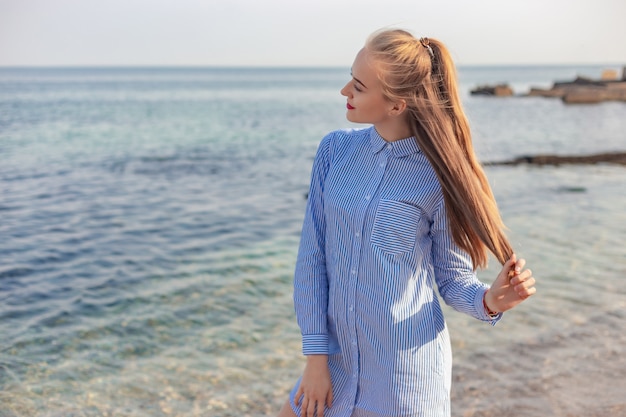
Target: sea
(150, 220)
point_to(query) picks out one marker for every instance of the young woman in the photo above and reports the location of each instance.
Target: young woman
(394, 211)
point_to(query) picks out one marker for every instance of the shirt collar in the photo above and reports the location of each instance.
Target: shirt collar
(402, 147)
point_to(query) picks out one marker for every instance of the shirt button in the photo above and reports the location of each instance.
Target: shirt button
(382, 164)
(357, 234)
(367, 197)
(351, 308)
(353, 271)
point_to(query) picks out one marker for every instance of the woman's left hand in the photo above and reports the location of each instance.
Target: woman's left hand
(513, 285)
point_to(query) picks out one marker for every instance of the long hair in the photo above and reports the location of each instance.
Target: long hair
(421, 72)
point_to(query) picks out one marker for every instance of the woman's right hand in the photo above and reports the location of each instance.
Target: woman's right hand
(513, 285)
(315, 388)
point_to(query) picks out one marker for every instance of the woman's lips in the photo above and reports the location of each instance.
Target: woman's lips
(349, 106)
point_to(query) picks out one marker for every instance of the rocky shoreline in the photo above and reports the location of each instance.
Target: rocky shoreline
(618, 158)
(581, 90)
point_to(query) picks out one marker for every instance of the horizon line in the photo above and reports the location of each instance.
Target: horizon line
(243, 66)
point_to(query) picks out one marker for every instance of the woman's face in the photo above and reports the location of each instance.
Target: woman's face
(366, 103)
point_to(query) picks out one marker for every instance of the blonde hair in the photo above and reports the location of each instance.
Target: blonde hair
(421, 72)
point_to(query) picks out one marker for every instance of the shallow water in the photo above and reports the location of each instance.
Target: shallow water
(150, 220)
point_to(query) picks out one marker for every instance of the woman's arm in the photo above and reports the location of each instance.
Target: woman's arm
(310, 280)
(458, 284)
(456, 279)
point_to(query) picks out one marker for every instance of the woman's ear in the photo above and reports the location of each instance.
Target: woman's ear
(398, 108)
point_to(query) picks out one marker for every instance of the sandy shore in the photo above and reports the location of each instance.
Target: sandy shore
(579, 372)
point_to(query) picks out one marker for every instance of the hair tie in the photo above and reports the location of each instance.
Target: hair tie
(426, 44)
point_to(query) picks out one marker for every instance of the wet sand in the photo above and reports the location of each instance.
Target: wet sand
(578, 372)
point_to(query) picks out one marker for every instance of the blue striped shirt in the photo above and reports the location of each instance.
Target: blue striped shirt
(374, 246)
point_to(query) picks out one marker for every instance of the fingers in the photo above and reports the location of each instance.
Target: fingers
(509, 264)
(309, 406)
(516, 269)
(529, 292)
(298, 396)
(524, 284)
(305, 405)
(522, 277)
(310, 409)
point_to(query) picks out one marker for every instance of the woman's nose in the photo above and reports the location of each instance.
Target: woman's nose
(344, 91)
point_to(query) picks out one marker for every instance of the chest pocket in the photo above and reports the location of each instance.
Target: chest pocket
(395, 227)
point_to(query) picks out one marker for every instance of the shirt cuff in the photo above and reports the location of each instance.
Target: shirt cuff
(315, 344)
(480, 308)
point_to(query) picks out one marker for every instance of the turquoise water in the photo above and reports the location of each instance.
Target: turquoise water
(150, 220)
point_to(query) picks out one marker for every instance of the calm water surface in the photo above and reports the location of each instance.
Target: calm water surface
(149, 222)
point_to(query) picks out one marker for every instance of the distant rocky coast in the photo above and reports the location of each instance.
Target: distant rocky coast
(581, 90)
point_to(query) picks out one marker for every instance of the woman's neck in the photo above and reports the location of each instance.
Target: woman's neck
(394, 130)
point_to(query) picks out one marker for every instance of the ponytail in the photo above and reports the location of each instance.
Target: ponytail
(422, 73)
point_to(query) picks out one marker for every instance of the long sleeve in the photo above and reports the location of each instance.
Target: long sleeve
(311, 281)
(454, 273)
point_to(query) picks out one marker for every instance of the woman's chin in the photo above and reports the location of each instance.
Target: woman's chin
(350, 117)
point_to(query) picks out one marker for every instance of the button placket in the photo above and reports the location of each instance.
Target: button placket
(356, 250)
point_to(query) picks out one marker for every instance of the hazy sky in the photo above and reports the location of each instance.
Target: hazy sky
(304, 32)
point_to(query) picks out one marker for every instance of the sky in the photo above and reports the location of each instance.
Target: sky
(304, 32)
